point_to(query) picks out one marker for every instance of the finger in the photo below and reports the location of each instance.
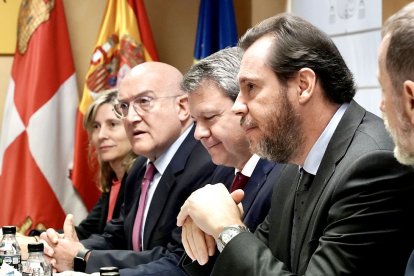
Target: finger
(43, 237)
(211, 244)
(69, 228)
(47, 249)
(190, 239)
(51, 236)
(47, 258)
(185, 242)
(53, 262)
(237, 195)
(199, 244)
(241, 210)
(182, 215)
(189, 236)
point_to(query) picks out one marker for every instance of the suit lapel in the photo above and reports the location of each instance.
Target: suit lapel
(158, 202)
(281, 212)
(336, 149)
(166, 183)
(131, 195)
(256, 181)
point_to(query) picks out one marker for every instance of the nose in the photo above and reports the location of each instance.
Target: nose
(132, 115)
(239, 107)
(102, 134)
(201, 131)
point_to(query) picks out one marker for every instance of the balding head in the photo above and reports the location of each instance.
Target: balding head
(166, 77)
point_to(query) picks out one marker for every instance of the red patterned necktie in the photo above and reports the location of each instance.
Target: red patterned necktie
(239, 182)
(136, 232)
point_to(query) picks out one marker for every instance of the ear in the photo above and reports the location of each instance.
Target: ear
(306, 84)
(182, 107)
(408, 100)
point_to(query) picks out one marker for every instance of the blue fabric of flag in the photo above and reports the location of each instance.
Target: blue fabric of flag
(216, 27)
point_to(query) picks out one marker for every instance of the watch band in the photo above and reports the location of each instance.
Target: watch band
(79, 262)
(228, 233)
(82, 253)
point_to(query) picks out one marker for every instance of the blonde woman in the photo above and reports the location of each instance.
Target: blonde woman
(111, 147)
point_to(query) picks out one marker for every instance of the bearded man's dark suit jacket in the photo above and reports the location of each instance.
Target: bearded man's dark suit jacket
(357, 218)
(189, 169)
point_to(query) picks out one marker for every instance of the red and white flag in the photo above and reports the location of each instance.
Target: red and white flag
(37, 137)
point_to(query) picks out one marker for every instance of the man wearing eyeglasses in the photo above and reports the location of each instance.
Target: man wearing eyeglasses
(172, 164)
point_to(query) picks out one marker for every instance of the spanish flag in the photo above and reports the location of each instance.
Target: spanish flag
(37, 137)
(125, 40)
(216, 28)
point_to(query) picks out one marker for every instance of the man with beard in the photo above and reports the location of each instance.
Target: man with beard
(348, 209)
(396, 75)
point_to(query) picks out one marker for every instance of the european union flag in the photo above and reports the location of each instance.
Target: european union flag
(216, 27)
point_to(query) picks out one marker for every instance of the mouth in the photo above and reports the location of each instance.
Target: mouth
(136, 133)
(247, 126)
(209, 146)
(105, 148)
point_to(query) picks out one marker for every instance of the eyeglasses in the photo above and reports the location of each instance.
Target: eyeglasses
(141, 104)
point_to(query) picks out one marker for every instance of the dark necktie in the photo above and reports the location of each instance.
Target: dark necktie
(136, 232)
(304, 182)
(239, 182)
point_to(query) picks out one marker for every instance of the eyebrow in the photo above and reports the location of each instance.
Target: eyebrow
(247, 78)
(141, 94)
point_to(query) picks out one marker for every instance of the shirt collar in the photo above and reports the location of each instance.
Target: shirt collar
(314, 158)
(250, 165)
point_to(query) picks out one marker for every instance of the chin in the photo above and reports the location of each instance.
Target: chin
(106, 157)
(141, 151)
(404, 157)
(217, 161)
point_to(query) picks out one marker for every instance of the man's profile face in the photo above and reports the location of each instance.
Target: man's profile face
(269, 119)
(150, 132)
(391, 106)
(217, 127)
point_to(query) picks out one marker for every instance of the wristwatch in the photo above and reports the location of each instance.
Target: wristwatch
(228, 233)
(79, 262)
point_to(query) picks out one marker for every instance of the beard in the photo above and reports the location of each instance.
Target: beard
(401, 140)
(282, 136)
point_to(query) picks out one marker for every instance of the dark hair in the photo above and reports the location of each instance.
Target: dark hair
(221, 68)
(298, 44)
(399, 60)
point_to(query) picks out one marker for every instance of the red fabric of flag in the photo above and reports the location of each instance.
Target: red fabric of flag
(36, 147)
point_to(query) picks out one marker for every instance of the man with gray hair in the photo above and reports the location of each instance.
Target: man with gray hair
(396, 76)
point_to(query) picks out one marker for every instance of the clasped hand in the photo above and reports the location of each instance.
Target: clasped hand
(60, 249)
(203, 216)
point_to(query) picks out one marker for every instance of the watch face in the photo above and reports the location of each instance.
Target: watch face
(229, 233)
(79, 264)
